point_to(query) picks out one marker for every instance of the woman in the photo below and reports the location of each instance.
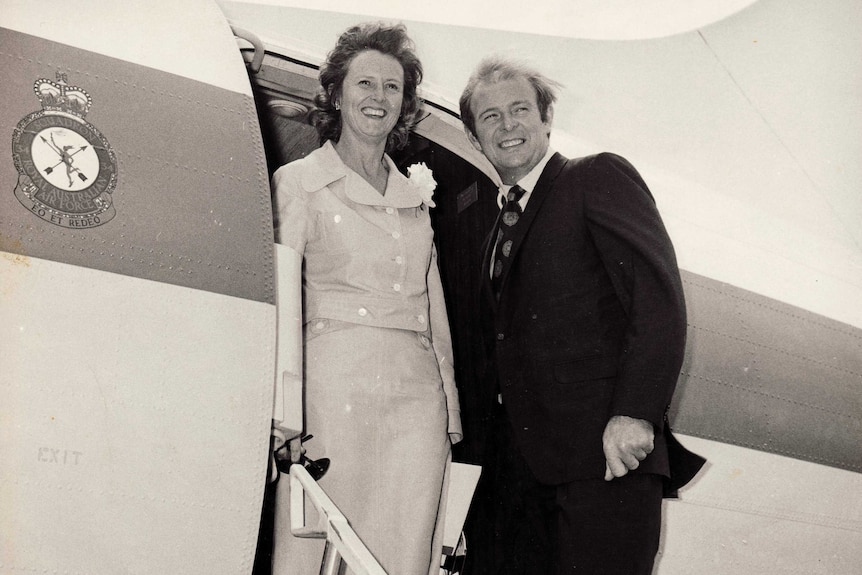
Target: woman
(380, 397)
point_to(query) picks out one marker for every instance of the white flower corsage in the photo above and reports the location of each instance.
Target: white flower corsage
(423, 180)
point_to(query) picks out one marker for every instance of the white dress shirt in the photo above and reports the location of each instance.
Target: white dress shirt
(527, 184)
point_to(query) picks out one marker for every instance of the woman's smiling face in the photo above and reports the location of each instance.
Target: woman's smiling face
(371, 96)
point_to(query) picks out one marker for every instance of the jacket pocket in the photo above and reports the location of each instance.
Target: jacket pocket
(585, 369)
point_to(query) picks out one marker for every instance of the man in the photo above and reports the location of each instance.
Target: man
(585, 318)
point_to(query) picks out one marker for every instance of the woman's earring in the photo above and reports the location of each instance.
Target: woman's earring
(337, 106)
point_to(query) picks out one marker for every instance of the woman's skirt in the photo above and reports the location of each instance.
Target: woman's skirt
(375, 406)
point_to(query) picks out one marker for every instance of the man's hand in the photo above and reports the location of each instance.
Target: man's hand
(627, 442)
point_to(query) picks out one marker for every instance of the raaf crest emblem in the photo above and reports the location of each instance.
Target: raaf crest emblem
(67, 169)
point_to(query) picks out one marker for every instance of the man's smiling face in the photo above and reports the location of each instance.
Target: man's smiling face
(509, 128)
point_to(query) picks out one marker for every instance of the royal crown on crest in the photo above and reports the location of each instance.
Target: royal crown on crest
(59, 96)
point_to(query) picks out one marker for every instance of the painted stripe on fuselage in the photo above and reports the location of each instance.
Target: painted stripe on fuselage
(192, 198)
(770, 376)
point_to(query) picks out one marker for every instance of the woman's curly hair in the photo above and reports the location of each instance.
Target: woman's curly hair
(390, 40)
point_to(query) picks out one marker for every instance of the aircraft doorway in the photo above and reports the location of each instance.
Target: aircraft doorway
(465, 210)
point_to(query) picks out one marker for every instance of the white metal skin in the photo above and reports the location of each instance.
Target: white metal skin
(287, 407)
(128, 472)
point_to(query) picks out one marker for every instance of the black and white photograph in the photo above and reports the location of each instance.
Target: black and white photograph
(452, 288)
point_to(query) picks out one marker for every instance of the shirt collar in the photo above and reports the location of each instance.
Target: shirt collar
(327, 167)
(528, 182)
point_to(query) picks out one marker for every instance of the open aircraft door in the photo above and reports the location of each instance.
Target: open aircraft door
(137, 315)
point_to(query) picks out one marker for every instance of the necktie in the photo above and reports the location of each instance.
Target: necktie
(505, 236)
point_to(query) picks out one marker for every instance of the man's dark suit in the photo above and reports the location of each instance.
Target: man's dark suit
(590, 321)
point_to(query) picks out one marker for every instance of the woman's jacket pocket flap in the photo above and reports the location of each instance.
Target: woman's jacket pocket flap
(596, 367)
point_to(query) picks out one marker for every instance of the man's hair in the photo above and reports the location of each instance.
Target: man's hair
(390, 40)
(494, 69)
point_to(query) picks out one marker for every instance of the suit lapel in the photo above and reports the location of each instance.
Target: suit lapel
(541, 191)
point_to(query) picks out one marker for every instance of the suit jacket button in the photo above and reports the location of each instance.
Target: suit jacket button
(501, 336)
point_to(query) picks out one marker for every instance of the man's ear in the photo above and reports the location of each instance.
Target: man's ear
(549, 118)
(473, 139)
